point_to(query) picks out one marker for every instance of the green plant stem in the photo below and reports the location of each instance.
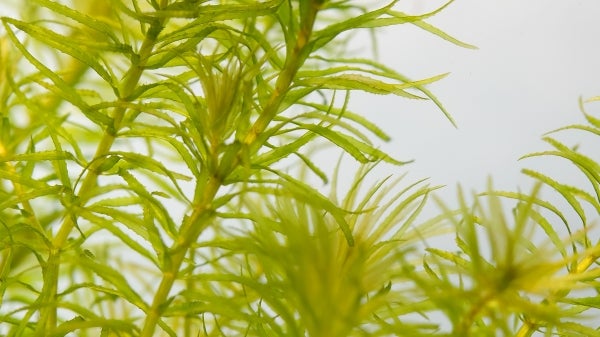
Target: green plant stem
(190, 231)
(203, 212)
(47, 320)
(292, 64)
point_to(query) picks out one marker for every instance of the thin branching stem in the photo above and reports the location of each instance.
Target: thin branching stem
(203, 212)
(48, 316)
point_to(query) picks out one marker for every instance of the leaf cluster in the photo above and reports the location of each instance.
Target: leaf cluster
(155, 168)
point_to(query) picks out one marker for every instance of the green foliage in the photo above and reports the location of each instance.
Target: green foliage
(145, 186)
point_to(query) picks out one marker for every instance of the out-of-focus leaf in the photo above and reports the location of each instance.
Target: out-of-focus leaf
(83, 19)
(211, 13)
(524, 197)
(61, 88)
(39, 156)
(117, 279)
(63, 44)
(364, 83)
(577, 329)
(564, 190)
(80, 323)
(307, 194)
(12, 202)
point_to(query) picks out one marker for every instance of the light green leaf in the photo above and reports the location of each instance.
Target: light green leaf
(590, 129)
(357, 118)
(564, 190)
(572, 328)
(392, 74)
(314, 168)
(139, 161)
(549, 230)
(280, 152)
(212, 13)
(591, 302)
(39, 156)
(169, 136)
(324, 36)
(436, 31)
(376, 154)
(79, 323)
(127, 220)
(591, 119)
(115, 278)
(63, 44)
(307, 194)
(23, 179)
(536, 201)
(83, 19)
(464, 264)
(16, 200)
(161, 211)
(364, 83)
(61, 88)
(587, 165)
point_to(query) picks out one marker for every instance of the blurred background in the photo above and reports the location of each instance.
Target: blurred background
(535, 60)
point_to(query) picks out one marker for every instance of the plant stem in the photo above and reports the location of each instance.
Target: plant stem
(190, 230)
(203, 212)
(47, 320)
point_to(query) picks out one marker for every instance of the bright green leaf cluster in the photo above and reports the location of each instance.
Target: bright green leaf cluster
(144, 189)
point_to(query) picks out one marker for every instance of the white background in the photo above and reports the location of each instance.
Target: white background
(536, 58)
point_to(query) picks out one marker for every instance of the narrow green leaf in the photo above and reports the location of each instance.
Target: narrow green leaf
(169, 136)
(590, 119)
(587, 165)
(364, 83)
(107, 163)
(360, 120)
(549, 230)
(63, 89)
(154, 236)
(332, 121)
(560, 188)
(126, 220)
(590, 302)
(392, 74)
(161, 211)
(324, 36)
(79, 323)
(590, 129)
(436, 31)
(116, 279)
(338, 139)
(314, 168)
(83, 19)
(375, 154)
(23, 179)
(212, 13)
(451, 257)
(63, 44)
(39, 156)
(135, 160)
(571, 328)
(281, 152)
(16, 200)
(536, 201)
(116, 201)
(307, 194)
(164, 55)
